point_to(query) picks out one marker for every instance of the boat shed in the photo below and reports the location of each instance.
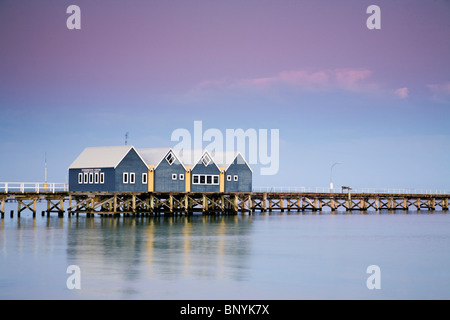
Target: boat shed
(206, 175)
(166, 172)
(117, 168)
(237, 172)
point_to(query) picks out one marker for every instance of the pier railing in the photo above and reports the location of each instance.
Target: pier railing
(355, 190)
(42, 187)
(36, 187)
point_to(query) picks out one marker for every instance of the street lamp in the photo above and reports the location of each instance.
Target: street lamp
(331, 175)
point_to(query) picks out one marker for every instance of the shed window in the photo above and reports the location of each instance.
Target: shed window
(170, 158)
(96, 177)
(208, 179)
(125, 177)
(202, 179)
(229, 177)
(102, 177)
(235, 178)
(174, 176)
(144, 178)
(195, 179)
(80, 178)
(85, 177)
(206, 160)
(181, 176)
(132, 177)
(215, 179)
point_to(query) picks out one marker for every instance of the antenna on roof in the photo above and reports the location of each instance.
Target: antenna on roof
(45, 173)
(126, 138)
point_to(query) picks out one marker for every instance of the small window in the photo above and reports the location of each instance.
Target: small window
(229, 177)
(170, 158)
(202, 179)
(96, 178)
(102, 177)
(91, 177)
(181, 177)
(195, 179)
(132, 177)
(174, 176)
(144, 178)
(125, 177)
(215, 179)
(80, 178)
(235, 178)
(85, 177)
(208, 179)
(206, 159)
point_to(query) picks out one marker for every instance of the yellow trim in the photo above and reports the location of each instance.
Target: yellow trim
(151, 178)
(187, 178)
(222, 180)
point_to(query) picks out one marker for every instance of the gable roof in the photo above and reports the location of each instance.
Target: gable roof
(200, 160)
(101, 157)
(154, 156)
(225, 159)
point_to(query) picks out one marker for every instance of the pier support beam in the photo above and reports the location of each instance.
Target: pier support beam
(2, 206)
(31, 205)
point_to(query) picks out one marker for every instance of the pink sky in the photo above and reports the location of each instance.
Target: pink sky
(185, 60)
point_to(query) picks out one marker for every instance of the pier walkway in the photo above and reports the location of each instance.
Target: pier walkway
(60, 200)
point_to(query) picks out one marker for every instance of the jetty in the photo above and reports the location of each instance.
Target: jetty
(60, 200)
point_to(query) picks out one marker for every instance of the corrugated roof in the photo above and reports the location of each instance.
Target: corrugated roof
(226, 158)
(153, 156)
(100, 157)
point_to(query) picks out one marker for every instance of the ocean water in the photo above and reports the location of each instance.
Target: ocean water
(286, 256)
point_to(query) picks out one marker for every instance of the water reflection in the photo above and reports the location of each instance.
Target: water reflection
(162, 247)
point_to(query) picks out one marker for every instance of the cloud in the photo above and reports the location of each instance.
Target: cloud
(440, 92)
(304, 80)
(402, 93)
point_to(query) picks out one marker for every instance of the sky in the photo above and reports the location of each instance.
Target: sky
(376, 100)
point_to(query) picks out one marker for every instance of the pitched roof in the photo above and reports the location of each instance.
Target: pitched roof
(226, 158)
(100, 157)
(153, 156)
(206, 152)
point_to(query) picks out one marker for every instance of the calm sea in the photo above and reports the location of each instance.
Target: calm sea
(262, 256)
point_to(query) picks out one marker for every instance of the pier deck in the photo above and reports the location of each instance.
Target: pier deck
(208, 203)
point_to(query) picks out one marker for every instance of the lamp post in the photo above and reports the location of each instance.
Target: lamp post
(331, 175)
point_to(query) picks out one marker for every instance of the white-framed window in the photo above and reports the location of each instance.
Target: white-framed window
(228, 177)
(206, 159)
(132, 177)
(211, 179)
(80, 178)
(125, 177)
(181, 176)
(96, 176)
(170, 158)
(86, 177)
(235, 178)
(102, 177)
(144, 178)
(174, 176)
(91, 177)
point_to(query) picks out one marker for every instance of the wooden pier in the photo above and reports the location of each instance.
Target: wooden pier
(212, 203)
